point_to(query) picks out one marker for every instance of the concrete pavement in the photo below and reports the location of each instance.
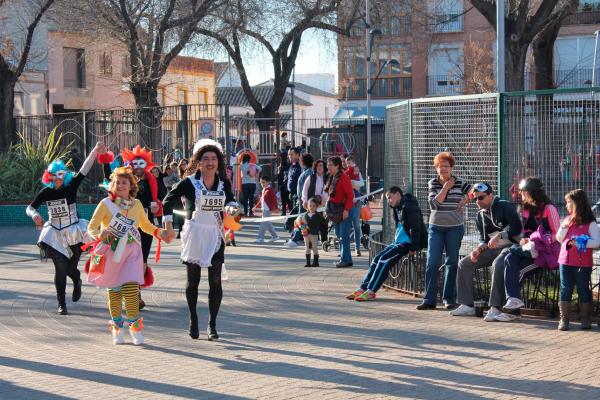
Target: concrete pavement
(287, 332)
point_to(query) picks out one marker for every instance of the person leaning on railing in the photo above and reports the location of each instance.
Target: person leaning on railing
(410, 237)
(447, 197)
(499, 226)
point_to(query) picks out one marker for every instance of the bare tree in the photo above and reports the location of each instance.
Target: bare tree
(543, 47)
(277, 28)
(154, 33)
(14, 55)
(524, 20)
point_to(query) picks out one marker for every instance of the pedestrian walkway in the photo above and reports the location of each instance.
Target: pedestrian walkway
(287, 332)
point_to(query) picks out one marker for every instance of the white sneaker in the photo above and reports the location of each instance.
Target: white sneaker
(513, 303)
(463, 310)
(259, 241)
(491, 315)
(274, 239)
(291, 244)
(118, 334)
(319, 244)
(505, 317)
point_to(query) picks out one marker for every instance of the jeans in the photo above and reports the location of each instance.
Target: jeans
(442, 239)
(381, 264)
(342, 230)
(571, 276)
(266, 226)
(356, 225)
(248, 190)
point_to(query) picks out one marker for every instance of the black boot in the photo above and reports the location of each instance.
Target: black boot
(62, 305)
(76, 291)
(233, 243)
(194, 332)
(316, 261)
(211, 333)
(308, 261)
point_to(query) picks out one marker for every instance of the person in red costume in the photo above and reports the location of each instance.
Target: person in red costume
(139, 159)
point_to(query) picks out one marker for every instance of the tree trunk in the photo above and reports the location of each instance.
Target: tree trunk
(149, 116)
(7, 121)
(516, 54)
(543, 57)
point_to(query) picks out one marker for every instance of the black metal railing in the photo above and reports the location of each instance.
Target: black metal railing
(446, 23)
(441, 85)
(400, 87)
(583, 17)
(539, 289)
(573, 78)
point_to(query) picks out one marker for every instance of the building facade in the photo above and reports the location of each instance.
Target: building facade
(446, 47)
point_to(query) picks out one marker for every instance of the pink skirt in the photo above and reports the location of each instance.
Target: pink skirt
(130, 269)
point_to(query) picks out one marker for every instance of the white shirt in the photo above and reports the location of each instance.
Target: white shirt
(320, 184)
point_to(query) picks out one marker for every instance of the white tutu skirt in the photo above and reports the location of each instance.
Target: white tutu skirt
(60, 240)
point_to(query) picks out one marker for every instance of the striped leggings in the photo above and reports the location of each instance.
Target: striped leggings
(381, 264)
(130, 292)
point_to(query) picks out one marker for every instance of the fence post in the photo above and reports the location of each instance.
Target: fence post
(410, 150)
(184, 129)
(502, 190)
(85, 144)
(227, 136)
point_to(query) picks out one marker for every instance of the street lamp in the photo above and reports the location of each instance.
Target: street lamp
(370, 37)
(370, 86)
(292, 87)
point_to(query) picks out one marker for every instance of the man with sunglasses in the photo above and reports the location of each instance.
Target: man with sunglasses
(499, 227)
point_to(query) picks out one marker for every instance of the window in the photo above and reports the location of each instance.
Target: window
(444, 70)
(74, 67)
(445, 16)
(105, 63)
(573, 61)
(126, 67)
(19, 103)
(181, 96)
(105, 121)
(160, 94)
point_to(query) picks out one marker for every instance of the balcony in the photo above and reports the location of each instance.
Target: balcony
(384, 88)
(444, 85)
(568, 78)
(588, 14)
(446, 23)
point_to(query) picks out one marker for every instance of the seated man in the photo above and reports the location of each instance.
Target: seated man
(499, 227)
(411, 236)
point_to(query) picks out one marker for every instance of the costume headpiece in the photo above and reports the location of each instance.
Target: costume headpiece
(140, 157)
(207, 142)
(57, 169)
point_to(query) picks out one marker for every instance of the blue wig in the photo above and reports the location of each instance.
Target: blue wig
(53, 168)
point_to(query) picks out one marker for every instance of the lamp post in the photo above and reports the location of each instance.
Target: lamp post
(371, 33)
(370, 86)
(292, 87)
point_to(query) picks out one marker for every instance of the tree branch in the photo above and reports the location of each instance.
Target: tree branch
(29, 38)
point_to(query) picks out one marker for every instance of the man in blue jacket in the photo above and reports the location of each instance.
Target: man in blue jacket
(411, 236)
(499, 226)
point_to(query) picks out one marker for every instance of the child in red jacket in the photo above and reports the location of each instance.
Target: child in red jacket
(268, 203)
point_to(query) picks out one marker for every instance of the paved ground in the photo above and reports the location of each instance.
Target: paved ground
(287, 332)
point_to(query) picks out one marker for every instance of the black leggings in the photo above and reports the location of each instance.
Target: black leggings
(64, 267)
(215, 291)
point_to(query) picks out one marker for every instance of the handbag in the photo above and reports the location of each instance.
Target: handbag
(97, 263)
(334, 212)
(365, 213)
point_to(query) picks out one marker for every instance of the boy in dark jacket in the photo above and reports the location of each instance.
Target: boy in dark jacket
(411, 236)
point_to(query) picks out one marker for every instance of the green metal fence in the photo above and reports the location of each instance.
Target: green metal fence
(499, 138)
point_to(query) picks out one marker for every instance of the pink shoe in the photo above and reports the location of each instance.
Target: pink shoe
(357, 292)
(366, 296)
